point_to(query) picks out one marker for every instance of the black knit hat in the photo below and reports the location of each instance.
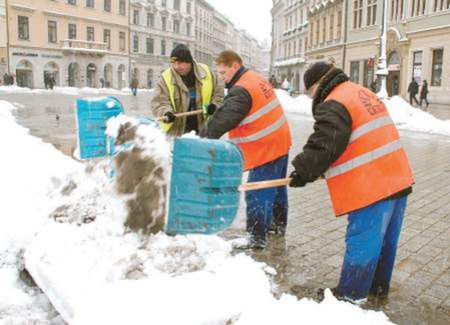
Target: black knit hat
(181, 53)
(315, 72)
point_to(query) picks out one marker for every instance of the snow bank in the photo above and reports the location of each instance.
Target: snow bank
(95, 273)
(404, 115)
(69, 91)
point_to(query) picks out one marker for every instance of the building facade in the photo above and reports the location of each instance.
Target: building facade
(156, 27)
(77, 42)
(3, 39)
(347, 32)
(204, 28)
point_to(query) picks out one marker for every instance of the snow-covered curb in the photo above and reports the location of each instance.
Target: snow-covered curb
(404, 115)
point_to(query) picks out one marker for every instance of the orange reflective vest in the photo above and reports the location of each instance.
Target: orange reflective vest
(374, 165)
(263, 135)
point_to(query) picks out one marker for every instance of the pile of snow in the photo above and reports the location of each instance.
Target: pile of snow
(69, 91)
(96, 273)
(403, 114)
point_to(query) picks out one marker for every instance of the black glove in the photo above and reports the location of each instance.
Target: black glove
(169, 117)
(296, 180)
(211, 109)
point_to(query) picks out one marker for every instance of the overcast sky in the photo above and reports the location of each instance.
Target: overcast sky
(251, 15)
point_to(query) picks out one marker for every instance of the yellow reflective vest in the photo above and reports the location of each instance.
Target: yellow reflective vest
(206, 91)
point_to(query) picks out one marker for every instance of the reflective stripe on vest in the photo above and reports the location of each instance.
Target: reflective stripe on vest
(363, 159)
(263, 110)
(261, 134)
(370, 126)
(206, 91)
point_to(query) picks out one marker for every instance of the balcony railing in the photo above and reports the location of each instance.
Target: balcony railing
(73, 45)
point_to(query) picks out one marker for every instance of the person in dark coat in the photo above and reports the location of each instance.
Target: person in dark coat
(356, 147)
(374, 86)
(413, 90)
(424, 93)
(134, 85)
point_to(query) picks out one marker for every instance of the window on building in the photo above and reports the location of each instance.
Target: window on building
(164, 3)
(188, 7)
(371, 12)
(417, 66)
(107, 38)
(163, 23)
(176, 5)
(176, 26)
(135, 17)
(163, 47)
(107, 5)
(89, 3)
(339, 25)
(317, 40)
(436, 71)
(324, 29)
(149, 45)
(396, 9)
(122, 41)
(72, 2)
(354, 71)
(52, 32)
(72, 31)
(357, 14)
(122, 8)
(24, 28)
(90, 34)
(135, 43)
(368, 73)
(311, 34)
(331, 36)
(188, 29)
(150, 20)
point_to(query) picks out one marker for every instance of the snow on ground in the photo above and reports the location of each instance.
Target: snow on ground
(69, 91)
(96, 273)
(404, 115)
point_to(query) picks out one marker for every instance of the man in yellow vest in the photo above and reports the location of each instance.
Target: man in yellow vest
(186, 86)
(254, 119)
(356, 147)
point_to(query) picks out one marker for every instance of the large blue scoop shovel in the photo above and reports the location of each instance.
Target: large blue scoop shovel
(205, 186)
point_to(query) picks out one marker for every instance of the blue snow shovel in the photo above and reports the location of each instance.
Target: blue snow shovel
(205, 186)
(92, 115)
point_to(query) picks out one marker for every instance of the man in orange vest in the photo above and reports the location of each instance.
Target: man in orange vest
(356, 147)
(255, 121)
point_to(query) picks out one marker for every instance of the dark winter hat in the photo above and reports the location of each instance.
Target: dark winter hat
(181, 53)
(315, 72)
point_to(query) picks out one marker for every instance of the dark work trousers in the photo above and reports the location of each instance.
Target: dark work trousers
(413, 97)
(267, 204)
(371, 245)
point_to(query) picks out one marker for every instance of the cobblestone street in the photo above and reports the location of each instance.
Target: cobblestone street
(311, 255)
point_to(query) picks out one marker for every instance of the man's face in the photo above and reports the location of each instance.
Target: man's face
(182, 68)
(226, 73)
(311, 92)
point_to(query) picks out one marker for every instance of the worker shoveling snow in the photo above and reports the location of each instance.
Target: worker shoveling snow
(96, 271)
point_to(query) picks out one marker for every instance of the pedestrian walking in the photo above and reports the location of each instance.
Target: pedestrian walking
(273, 81)
(186, 86)
(357, 148)
(424, 93)
(374, 86)
(253, 117)
(413, 90)
(102, 82)
(134, 85)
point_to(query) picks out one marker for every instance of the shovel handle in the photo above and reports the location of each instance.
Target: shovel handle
(196, 112)
(264, 184)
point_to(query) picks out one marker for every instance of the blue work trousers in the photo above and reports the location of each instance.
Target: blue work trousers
(267, 204)
(371, 245)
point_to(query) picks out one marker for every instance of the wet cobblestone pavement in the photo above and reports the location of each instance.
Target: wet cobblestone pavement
(311, 254)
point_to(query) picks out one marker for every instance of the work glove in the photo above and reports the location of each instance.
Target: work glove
(211, 109)
(169, 117)
(296, 180)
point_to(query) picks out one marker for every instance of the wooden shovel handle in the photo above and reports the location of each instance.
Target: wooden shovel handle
(183, 114)
(264, 184)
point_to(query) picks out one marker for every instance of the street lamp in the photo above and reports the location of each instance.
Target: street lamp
(382, 71)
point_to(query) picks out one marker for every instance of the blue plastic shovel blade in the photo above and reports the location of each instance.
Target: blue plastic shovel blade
(203, 189)
(92, 115)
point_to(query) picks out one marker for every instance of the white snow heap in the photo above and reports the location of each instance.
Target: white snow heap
(95, 274)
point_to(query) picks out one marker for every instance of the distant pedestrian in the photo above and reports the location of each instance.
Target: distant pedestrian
(46, 80)
(413, 90)
(6, 79)
(273, 81)
(102, 82)
(424, 93)
(374, 86)
(134, 85)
